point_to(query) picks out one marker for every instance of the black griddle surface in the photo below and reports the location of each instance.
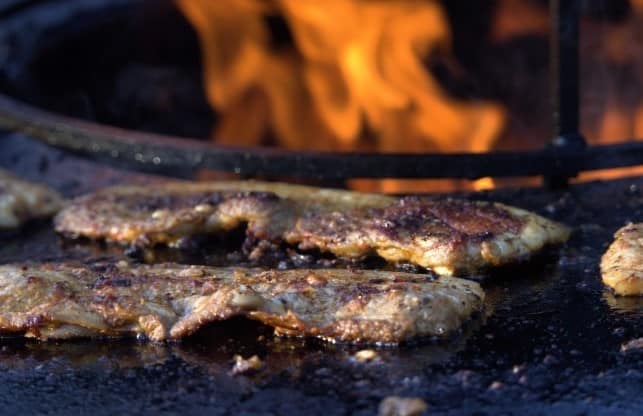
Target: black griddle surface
(551, 344)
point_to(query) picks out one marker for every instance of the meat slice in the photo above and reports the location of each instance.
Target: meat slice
(21, 201)
(622, 263)
(452, 236)
(170, 301)
(168, 212)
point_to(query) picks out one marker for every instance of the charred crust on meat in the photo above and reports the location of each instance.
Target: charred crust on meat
(447, 236)
(170, 301)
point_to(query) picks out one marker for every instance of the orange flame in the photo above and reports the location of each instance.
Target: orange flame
(354, 80)
(352, 77)
(619, 115)
(519, 17)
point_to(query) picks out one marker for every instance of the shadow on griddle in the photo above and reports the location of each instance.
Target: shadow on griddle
(226, 250)
(212, 350)
(528, 270)
(627, 305)
(213, 347)
(24, 354)
(519, 286)
(34, 241)
(230, 250)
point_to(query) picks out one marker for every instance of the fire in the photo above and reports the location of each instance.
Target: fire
(519, 17)
(352, 78)
(620, 113)
(350, 75)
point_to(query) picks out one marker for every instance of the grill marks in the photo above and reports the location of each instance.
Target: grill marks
(169, 301)
(449, 236)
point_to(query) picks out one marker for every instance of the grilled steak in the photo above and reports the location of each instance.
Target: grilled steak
(166, 213)
(21, 201)
(169, 301)
(449, 236)
(622, 263)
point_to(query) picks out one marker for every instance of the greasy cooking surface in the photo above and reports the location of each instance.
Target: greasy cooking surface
(552, 343)
(168, 301)
(450, 236)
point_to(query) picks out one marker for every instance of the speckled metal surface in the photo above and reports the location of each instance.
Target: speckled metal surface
(551, 344)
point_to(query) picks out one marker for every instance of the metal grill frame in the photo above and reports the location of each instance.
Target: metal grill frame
(564, 157)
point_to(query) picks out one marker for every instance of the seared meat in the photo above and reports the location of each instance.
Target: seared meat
(632, 345)
(169, 301)
(166, 213)
(21, 201)
(401, 406)
(622, 263)
(449, 236)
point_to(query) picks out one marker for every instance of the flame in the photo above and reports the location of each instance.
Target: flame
(354, 77)
(519, 17)
(619, 115)
(484, 184)
(351, 76)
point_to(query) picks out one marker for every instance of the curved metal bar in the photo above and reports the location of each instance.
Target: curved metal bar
(176, 156)
(166, 154)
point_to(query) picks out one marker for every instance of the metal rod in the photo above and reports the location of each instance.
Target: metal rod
(173, 156)
(564, 66)
(564, 58)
